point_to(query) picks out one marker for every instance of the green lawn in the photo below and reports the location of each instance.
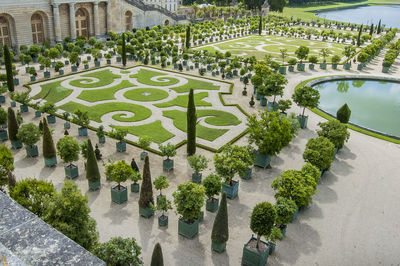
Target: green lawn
(195, 85)
(155, 131)
(97, 111)
(182, 101)
(104, 94)
(146, 94)
(53, 92)
(105, 78)
(144, 76)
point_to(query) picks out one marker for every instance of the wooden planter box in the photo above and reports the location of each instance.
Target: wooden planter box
(135, 187)
(82, 131)
(212, 204)
(163, 220)
(121, 146)
(196, 178)
(247, 174)
(51, 119)
(254, 257)
(188, 230)
(67, 125)
(103, 140)
(168, 164)
(146, 212)
(94, 185)
(262, 160)
(50, 162)
(263, 101)
(24, 108)
(218, 247)
(32, 151)
(119, 196)
(231, 191)
(3, 135)
(16, 144)
(303, 121)
(143, 155)
(71, 171)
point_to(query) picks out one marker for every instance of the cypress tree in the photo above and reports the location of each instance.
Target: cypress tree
(7, 62)
(371, 30)
(92, 169)
(123, 50)
(378, 30)
(157, 256)
(188, 37)
(343, 114)
(49, 151)
(260, 26)
(220, 231)
(12, 125)
(359, 36)
(191, 125)
(146, 190)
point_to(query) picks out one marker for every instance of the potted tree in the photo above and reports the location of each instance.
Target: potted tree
(32, 72)
(335, 60)
(81, 118)
(292, 62)
(271, 238)
(29, 134)
(305, 97)
(146, 192)
(13, 128)
(220, 230)
(324, 53)
(49, 151)
(319, 152)
(163, 205)
(282, 68)
(119, 172)
(349, 51)
(256, 251)
(212, 184)
(135, 177)
(273, 86)
(284, 105)
(302, 53)
(285, 209)
(168, 150)
(198, 163)
(23, 98)
(313, 60)
(270, 133)
(58, 67)
(66, 116)
(50, 109)
(101, 135)
(3, 124)
(68, 149)
(92, 168)
(144, 143)
(189, 199)
(248, 158)
(119, 134)
(335, 131)
(3, 89)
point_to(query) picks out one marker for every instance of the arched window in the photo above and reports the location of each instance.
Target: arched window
(81, 23)
(37, 29)
(5, 35)
(128, 20)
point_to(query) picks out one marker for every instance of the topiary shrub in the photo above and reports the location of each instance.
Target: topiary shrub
(343, 114)
(157, 256)
(220, 230)
(319, 152)
(92, 168)
(12, 125)
(119, 251)
(335, 131)
(146, 190)
(49, 150)
(262, 220)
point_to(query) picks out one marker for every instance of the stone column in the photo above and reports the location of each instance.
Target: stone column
(109, 16)
(96, 19)
(57, 25)
(72, 23)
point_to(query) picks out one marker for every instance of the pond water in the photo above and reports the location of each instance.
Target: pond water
(373, 104)
(366, 15)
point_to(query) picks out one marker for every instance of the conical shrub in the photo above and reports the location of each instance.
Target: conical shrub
(12, 125)
(9, 72)
(157, 257)
(220, 231)
(92, 169)
(343, 114)
(146, 191)
(49, 150)
(191, 125)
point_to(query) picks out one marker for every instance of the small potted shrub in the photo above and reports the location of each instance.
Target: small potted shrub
(302, 53)
(163, 205)
(284, 105)
(285, 209)
(101, 134)
(135, 177)
(58, 67)
(35, 106)
(49, 151)
(256, 251)
(119, 172)
(335, 60)
(29, 134)
(313, 60)
(220, 230)
(92, 168)
(32, 72)
(198, 163)
(319, 152)
(146, 192)
(85, 64)
(119, 134)
(67, 124)
(68, 149)
(81, 118)
(13, 128)
(160, 183)
(168, 150)
(189, 199)
(23, 98)
(305, 97)
(212, 184)
(50, 109)
(292, 62)
(3, 121)
(108, 58)
(3, 89)
(144, 143)
(271, 238)
(252, 102)
(248, 157)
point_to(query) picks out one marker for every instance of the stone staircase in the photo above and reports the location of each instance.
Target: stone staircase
(139, 4)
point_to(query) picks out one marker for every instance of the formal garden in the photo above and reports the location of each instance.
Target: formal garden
(197, 140)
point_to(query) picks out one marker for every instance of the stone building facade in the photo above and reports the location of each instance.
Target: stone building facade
(26, 22)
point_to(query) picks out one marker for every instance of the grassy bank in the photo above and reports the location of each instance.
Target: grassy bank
(305, 13)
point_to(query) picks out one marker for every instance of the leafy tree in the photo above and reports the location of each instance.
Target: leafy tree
(302, 53)
(48, 107)
(285, 208)
(168, 150)
(161, 183)
(144, 142)
(6, 167)
(273, 85)
(81, 118)
(146, 190)
(157, 256)
(68, 212)
(198, 163)
(118, 133)
(54, 53)
(92, 168)
(13, 126)
(188, 199)
(311, 170)
(191, 125)
(295, 185)
(220, 230)
(49, 151)
(306, 97)
(9, 71)
(284, 53)
(284, 105)
(119, 172)
(277, 5)
(262, 220)
(3, 117)
(119, 251)
(212, 184)
(343, 114)
(34, 194)
(313, 59)
(319, 152)
(68, 149)
(324, 53)
(29, 134)
(335, 131)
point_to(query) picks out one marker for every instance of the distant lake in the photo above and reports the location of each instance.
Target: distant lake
(366, 15)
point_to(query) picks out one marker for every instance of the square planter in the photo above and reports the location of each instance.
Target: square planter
(218, 247)
(273, 106)
(247, 174)
(38, 114)
(301, 67)
(67, 125)
(51, 119)
(61, 72)
(303, 121)
(163, 220)
(16, 144)
(3, 135)
(121, 146)
(86, 66)
(311, 66)
(196, 178)
(212, 204)
(291, 68)
(146, 212)
(188, 230)
(2, 99)
(271, 246)
(50, 162)
(16, 82)
(385, 69)
(360, 66)
(46, 74)
(135, 187)
(108, 62)
(231, 191)
(94, 185)
(143, 155)
(322, 66)
(33, 78)
(71, 171)
(97, 63)
(74, 68)
(23, 108)
(103, 140)
(262, 160)
(82, 131)
(32, 151)
(347, 66)
(119, 59)
(294, 216)
(168, 164)
(119, 195)
(282, 70)
(334, 66)
(255, 257)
